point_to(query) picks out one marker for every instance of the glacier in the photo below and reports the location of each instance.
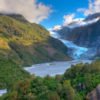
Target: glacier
(75, 51)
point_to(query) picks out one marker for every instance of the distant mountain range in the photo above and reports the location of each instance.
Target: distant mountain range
(84, 33)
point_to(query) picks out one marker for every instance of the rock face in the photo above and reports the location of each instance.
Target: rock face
(95, 94)
(85, 33)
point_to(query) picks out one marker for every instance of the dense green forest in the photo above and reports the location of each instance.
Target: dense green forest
(10, 73)
(74, 84)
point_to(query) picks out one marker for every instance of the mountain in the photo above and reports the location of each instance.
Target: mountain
(15, 16)
(74, 84)
(27, 43)
(85, 33)
(23, 44)
(92, 16)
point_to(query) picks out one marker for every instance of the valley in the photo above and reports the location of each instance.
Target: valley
(53, 68)
(49, 50)
(50, 56)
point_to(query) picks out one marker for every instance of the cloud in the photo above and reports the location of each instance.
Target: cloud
(30, 9)
(57, 27)
(97, 5)
(94, 7)
(68, 19)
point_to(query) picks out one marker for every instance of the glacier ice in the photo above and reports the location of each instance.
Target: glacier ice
(77, 51)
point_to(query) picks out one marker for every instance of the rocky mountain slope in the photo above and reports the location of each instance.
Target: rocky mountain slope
(85, 33)
(23, 44)
(28, 43)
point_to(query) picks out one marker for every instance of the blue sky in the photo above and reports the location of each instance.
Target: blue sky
(61, 8)
(63, 11)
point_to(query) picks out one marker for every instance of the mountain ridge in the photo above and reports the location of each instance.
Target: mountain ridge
(86, 35)
(24, 44)
(28, 36)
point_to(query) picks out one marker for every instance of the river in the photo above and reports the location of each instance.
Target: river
(55, 68)
(52, 68)
(2, 92)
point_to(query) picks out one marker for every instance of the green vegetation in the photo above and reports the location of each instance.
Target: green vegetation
(84, 78)
(23, 44)
(73, 85)
(10, 73)
(28, 43)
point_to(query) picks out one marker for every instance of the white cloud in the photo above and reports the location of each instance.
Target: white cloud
(57, 27)
(68, 19)
(94, 7)
(30, 9)
(97, 5)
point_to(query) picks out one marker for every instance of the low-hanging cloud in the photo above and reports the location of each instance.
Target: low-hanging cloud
(30, 9)
(68, 19)
(94, 7)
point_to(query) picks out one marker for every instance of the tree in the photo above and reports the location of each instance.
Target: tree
(53, 96)
(69, 93)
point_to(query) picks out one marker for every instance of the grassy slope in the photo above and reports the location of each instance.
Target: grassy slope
(22, 44)
(10, 73)
(27, 43)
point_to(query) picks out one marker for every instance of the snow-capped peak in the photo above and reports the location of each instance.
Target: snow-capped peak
(81, 23)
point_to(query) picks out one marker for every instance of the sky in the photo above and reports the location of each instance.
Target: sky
(51, 13)
(61, 8)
